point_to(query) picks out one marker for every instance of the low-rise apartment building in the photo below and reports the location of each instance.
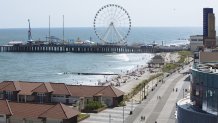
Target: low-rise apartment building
(48, 92)
(13, 112)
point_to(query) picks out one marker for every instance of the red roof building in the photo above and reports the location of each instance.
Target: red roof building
(41, 113)
(48, 92)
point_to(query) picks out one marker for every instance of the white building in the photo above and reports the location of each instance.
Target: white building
(196, 42)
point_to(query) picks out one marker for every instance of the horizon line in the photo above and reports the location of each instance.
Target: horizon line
(92, 27)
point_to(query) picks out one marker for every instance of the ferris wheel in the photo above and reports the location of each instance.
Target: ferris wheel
(112, 24)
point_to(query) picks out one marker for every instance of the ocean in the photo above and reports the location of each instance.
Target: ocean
(58, 67)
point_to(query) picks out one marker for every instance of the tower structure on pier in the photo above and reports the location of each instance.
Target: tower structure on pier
(29, 32)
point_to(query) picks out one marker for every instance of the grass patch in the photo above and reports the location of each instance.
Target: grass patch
(140, 86)
(169, 67)
(183, 56)
(82, 116)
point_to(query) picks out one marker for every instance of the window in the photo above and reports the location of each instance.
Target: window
(193, 39)
(40, 94)
(9, 95)
(197, 92)
(1, 95)
(41, 97)
(200, 39)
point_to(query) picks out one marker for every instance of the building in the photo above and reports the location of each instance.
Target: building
(13, 112)
(196, 42)
(157, 60)
(208, 57)
(202, 104)
(48, 92)
(206, 11)
(209, 32)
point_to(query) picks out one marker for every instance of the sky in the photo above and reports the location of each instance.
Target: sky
(80, 13)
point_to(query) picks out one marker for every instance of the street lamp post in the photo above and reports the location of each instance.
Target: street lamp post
(140, 95)
(131, 108)
(156, 82)
(183, 92)
(147, 90)
(152, 86)
(109, 118)
(123, 114)
(145, 96)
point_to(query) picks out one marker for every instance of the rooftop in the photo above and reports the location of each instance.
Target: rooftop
(28, 88)
(29, 110)
(207, 67)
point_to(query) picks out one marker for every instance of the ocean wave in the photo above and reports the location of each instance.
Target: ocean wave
(60, 73)
(122, 57)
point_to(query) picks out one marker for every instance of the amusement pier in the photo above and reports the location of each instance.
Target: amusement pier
(112, 37)
(86, 48)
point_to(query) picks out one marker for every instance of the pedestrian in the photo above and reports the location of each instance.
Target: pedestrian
(173, 89)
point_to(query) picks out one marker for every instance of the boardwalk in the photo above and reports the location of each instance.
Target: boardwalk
(161, 110)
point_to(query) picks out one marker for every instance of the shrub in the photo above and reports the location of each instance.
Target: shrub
(82, 116)
(168, 67)
(93, 105)
(122, 103)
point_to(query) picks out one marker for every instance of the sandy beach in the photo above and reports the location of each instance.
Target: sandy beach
(131, 78)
